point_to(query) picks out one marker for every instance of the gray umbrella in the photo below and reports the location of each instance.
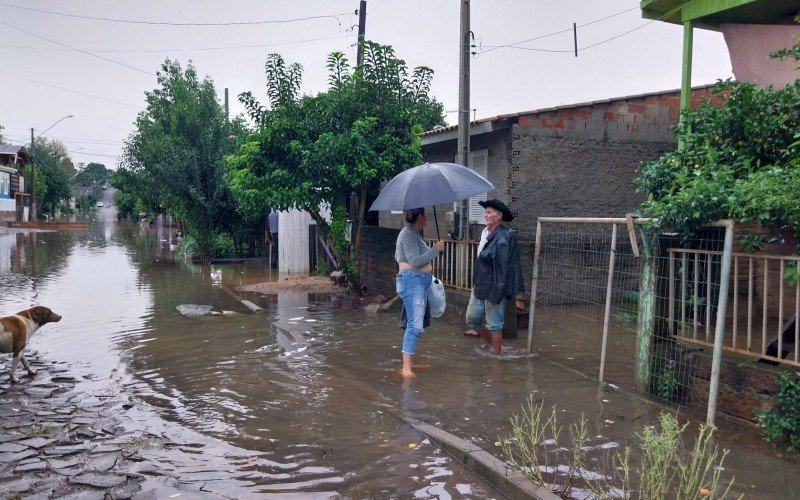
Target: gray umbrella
(431, 184)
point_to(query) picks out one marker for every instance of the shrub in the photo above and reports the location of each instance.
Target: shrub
(737, 161)
(782, 424)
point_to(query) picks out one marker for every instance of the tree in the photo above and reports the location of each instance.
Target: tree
(311, 151)
(2, 139)
(174, 160)
(53, 166)
(88, 181)
(740, 161)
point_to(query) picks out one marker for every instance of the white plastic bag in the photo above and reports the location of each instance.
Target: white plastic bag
(436, 297)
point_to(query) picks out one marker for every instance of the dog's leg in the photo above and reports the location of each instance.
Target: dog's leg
(14, 363)
(27, 365)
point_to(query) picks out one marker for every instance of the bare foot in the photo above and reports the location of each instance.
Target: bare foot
(407, 374)
(471, 333)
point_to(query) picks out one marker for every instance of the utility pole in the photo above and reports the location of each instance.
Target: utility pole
(227, 109)
(462, 151)
(362, 27)
(32, 215)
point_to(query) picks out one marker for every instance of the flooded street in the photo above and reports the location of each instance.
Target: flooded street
(225, 405)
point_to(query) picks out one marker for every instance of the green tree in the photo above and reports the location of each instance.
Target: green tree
(88, 182)
(2, 139)
(53, 167)
(174, 161)
(741, 161)
(317, 150)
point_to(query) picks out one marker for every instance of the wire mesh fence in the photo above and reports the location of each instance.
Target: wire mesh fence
(609, 298)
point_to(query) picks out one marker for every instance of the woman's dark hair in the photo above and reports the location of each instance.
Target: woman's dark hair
(412, 214)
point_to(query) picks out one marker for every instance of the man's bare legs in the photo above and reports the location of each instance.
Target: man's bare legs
(492, 339)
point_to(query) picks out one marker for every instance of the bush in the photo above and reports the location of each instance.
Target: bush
(223, 247)
(738, 161)
(782, 425)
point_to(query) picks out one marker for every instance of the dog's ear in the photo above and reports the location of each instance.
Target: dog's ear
(40, 314)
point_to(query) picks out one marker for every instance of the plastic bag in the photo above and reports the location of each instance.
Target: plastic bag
(436, 297)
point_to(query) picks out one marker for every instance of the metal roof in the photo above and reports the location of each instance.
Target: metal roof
(8, 149)
(710, 14)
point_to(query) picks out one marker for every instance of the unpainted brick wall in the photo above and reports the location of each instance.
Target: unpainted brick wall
(378, 267)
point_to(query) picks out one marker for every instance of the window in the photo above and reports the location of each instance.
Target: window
(5, 184)
(479, 162)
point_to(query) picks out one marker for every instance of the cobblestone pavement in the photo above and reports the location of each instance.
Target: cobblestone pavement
(56, 442)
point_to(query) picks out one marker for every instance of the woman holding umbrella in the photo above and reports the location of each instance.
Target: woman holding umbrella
(414, 259)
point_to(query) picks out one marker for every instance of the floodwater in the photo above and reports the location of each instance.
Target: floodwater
(256, 414)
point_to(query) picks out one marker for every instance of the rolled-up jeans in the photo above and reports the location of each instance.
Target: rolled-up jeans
(412, 287)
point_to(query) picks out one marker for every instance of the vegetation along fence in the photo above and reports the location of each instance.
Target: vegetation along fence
(623, 303)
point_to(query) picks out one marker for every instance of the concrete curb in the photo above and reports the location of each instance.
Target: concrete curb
(488, 467)
(484, 464)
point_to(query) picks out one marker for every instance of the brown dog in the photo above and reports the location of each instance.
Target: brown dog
(16, 331)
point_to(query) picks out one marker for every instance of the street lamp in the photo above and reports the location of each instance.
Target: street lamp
(33, 166)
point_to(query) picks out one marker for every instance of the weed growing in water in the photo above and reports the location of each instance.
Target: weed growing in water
(664, 469)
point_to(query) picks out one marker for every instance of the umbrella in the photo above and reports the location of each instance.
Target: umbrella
(431, 184)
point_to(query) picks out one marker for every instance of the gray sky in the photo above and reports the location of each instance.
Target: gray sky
(423, 32)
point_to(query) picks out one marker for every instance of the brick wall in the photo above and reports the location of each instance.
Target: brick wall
(376, 257)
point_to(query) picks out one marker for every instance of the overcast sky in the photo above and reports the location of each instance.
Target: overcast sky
(42, 77)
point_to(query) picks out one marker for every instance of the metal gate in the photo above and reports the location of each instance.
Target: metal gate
(603, 302)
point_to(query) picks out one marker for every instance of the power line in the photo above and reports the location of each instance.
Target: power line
(71, 91)
(165, 23)
(79, 50)
(89, 153)
(513, 45)
(139, 51)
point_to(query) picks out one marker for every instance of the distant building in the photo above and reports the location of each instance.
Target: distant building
(14, 201)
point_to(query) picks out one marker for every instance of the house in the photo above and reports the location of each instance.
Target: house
(576, 160)
(13, 199)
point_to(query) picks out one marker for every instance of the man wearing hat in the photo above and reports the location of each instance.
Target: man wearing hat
(498, 275)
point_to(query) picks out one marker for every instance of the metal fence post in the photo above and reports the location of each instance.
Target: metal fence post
(534, 282)
(609, 293)
(719, 332)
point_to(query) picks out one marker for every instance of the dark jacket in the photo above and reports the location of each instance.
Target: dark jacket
(498, 272)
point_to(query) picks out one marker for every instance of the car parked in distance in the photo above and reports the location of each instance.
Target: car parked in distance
(100, 204)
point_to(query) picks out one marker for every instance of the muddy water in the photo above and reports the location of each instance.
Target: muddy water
(252, 413)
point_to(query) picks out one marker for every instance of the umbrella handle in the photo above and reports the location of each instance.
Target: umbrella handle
(436, 220)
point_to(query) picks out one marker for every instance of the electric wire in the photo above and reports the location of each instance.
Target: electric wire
(580, 49)
(513, 45)
(165, 23)
(144, 51)
(79, 50)
(71, 91)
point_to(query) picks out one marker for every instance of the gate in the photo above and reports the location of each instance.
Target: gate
(606, 297)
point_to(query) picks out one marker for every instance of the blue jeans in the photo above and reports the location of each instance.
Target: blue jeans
(482, 313)
(412, 287)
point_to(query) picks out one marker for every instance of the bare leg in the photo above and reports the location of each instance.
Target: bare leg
(27, 365)
(406, 371)
(497, 341)
(14, 363)
(485, 335)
